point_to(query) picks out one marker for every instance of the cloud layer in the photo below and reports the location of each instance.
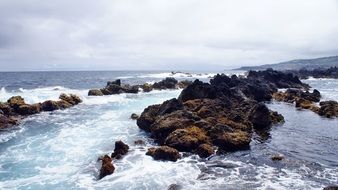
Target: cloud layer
(163, 34)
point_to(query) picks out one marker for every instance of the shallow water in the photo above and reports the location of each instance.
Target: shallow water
(59, 150)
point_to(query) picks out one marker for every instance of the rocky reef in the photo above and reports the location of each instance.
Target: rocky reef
(115, 87)
(217, 116)
(317, 73)
(15, 109)
(307, 100)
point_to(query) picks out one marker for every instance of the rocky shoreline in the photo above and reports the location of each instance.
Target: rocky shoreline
(317, 73)
(16, 109)
(116, 87)
(221, 116)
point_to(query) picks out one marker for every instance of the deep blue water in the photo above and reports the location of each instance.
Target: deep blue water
(59, 150)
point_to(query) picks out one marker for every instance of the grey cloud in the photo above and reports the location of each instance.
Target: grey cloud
(163, 34)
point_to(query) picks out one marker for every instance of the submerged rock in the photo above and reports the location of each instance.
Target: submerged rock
(120, 149)
(277, 157)
(134, 116)
(165, 153)
(107, 168)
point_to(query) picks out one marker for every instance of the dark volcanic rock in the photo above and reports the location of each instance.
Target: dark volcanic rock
(107, 168)
(167, 83)
(115, 82)
(29, 109)
(164, 153)
(220, 114)
(134, 116)
(120, 150)
(332, 187)
(197, 90)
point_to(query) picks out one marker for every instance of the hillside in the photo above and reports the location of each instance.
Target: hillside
(308, 64)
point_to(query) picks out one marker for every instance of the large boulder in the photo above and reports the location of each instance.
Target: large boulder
(260, 116)
(238, 140)
(71, 98)
(115, 82)
(16, 101)
(165, 153)
(29, 109)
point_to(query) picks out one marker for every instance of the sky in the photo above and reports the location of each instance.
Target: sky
(163, 34)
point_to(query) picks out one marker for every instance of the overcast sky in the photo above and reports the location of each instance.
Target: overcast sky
(163, 34)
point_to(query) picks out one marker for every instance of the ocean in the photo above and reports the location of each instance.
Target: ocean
(59, 150)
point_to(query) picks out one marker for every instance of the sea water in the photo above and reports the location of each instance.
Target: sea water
(59, 150)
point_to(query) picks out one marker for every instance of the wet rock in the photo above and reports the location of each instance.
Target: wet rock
(197, 90)
(120, 150)
(175, 187)
(167, 83)
(134, 116)
(277, 157)
(139, 142)
(164, 153)
(29, 109)
(328, 109)
(333, 187)
(260, 116)
(71, 98)
(50, 105)
(238, 140)
(115, 82)
(147, 87)
(107, 168)
(184, 83)
(95, 92)
(148, 117)
(186, 139)
(16, 101)
(204, 150)
(276, 117)
(306, 104)
(170, 106)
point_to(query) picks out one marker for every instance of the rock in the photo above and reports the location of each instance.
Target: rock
(29, 109)
(277, 157)
(139, 142)
(260, 116)
(134, 116)
(204, 150)
(332, 187)
(50, 105)
(147, 87)
(72, 99)
(170, 106)
(276, 117)
(107, 167)
(328, 109)
(167, 83)
(148, 117)
(116, 82)
(175, 187)
(184, 83)
(197, 90)
(16, 101)
(95, 92)
(164, 153)
(120, 150)
(186, 139)
(233, 141)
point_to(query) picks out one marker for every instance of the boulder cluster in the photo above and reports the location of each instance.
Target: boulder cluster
(115, 87)
(307, 100)
(107, 167)
(220, 115)
(12, 111)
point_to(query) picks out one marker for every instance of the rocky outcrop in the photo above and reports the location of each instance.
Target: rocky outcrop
(16, 108)
(317, 73)
(116, 87)
(221, 114)
(165, 153)
(107, 167)
(307, 100)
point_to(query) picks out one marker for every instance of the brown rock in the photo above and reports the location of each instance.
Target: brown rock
(120, 150)
(147, 87)
(328, 109)
(164, 153)
(29, 109)
(233, 141)
(16, 101)
(95, 92)
(107, 167)
(204, 150)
